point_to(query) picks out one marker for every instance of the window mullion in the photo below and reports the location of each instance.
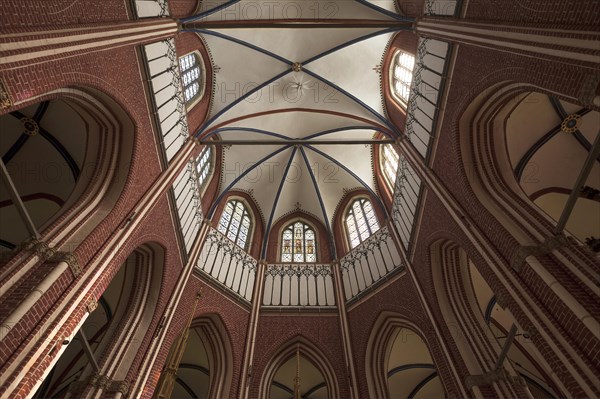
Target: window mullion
(364, 214)
(355, 226)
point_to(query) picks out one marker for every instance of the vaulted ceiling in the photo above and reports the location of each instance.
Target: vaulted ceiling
(275, 85)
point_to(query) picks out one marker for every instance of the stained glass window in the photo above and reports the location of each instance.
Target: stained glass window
(190, 76)
(389, 163)
(298, 244)
(235, 223)
(361, 221)
(401, 76)
(203, 164)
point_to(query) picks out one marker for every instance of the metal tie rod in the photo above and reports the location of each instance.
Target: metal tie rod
(580, 182)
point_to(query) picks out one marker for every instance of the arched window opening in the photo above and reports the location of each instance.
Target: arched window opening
(204, 165)
(298, 243)
(401, 76)
(361, 221)
(235, 223)
(191, 76)
(389, 164)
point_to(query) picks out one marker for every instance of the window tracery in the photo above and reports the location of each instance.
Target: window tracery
(203, 166)
(191, 76)
(298, 243)
(401, 76)
(389, 161)
(235, 223)
(361, 221)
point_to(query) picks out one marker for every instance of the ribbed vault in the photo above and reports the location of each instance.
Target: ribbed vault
(297, 110)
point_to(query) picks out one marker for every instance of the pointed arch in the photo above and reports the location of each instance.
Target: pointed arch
(273, 252)
(257, 219)
(339, 228)
(209, 335)
(388, 328)
(89, 135)
(480, 325)
(309, 351)
(116, 330)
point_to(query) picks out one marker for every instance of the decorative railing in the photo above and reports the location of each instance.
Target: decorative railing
(407, 194)
(151, 8)
(442, 7)
(369, 263)
(185, 192)
(299, 285)
(162, 66)
(228, 264)
(429, 78)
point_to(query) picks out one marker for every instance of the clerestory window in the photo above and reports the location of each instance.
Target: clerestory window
(298, 243)
(191, 77)
(401, 76)
(361, 221)
(235, 223)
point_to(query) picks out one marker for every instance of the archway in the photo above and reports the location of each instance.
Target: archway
(542, 257)
(111, 336)
(547, 142)
(399, 363)
(299, 359)
(205, 370)
(64, 159)
(480, 327)
(519, 144)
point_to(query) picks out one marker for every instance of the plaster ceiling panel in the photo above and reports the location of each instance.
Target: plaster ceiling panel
(297, 45)
(293, 91)
(408, 348)
(301, 123)
(404, 382)
(241, 70)
(347, 134)
(389, 5)
(530, 120)
(294, 130)
(432, 389)
(298, 191)
(206, 6)
(357, 158)
(332, 179)
(589, 125)
(352, 69)
(263, 180)
(248, 10)
(569, 108)
(557, 164)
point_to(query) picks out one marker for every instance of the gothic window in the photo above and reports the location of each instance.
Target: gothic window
(191, 76)
(389, 164)
(401, 76)
(203, 165)
(361, 221)
(235, 223)
(298, 243)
